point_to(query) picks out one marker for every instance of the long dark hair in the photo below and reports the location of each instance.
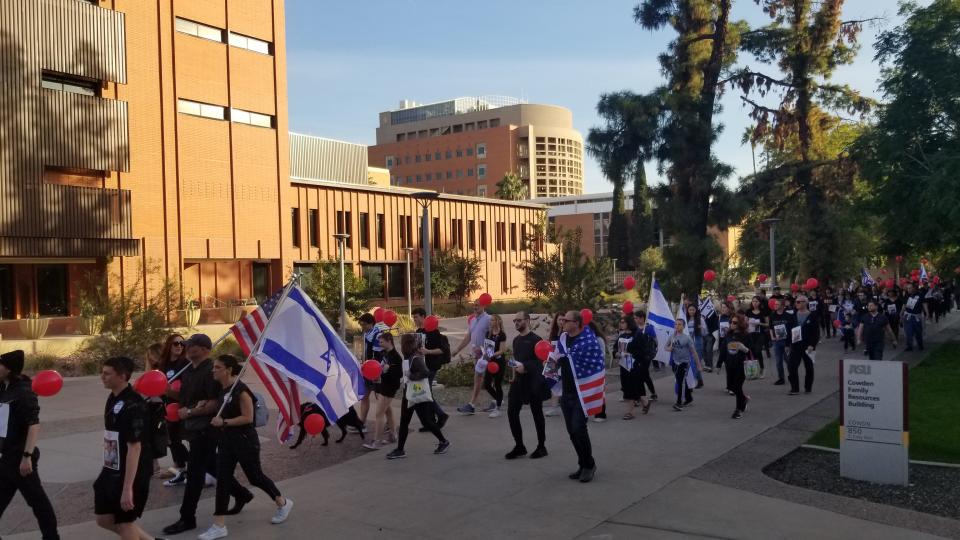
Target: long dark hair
(408, 345)
(166, 354)
(631, 323)
(696, 317)
(555, 327)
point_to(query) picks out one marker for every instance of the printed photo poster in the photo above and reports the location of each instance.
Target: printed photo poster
(796, 334)
(626, 359)
(4, 419)
(780, 331)
(111, 450)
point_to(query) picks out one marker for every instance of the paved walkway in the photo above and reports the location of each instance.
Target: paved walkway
(642, 489)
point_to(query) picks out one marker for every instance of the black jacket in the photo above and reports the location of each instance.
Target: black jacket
(643, 348)
(24, 412)
(810, 332)
(527, 386)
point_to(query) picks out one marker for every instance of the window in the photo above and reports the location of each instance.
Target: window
(436, 233)
(381, 232)
(52, 293)
(205, 110)
(449, 175)
(73, 85)
(373, 275)
(295, 226)
(469, 152)
(389, 161)
(471, 236)
(7, 297)
(407, 223)
(249, 43)
(345, 226)
(459, 152)
(481, 171)
(396, 280)
(459, 173)
(482, 124)
(469, 171)
(409, 179)
(513, 237)
(504, 278)
(458, 128)
(436, 156)
(429, 177)
(494, 122)
(251, 118)
(482, 191)
(481, 150)
(418, 178)
(523, 236)
(483, 235)
(261, 282)
(404, 236)
(427, 156)
(449, 154)
(313, 218)
(199, 30)
(501, 236)
(416, 158)
(401, 137)
(468, 126)
(364, 230)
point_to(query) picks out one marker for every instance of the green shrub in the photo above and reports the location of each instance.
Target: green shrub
(456, 374)
(40, 361)
(228, 346)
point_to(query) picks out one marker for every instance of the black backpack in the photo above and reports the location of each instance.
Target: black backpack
(445, 348)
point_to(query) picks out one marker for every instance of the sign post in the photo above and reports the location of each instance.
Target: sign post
(874, 428)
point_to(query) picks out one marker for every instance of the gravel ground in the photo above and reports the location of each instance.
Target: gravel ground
(933, 490)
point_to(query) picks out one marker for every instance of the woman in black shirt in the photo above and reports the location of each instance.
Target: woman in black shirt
(172, 362)
(494, 347)
(392, 371)
(736, 354)
(239, 443)
(757, 325)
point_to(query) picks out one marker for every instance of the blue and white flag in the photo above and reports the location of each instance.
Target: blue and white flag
(923, 272)
(865, 278)
(302, 345)
(662, 321)
(706, 307)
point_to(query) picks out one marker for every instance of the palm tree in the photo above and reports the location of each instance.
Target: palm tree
(511, 187)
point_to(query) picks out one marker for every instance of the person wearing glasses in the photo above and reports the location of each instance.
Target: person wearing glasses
(172, 362)
(577, 346)
(527, 388)
(804, 338)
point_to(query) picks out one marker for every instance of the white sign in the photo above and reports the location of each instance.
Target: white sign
(874, 434)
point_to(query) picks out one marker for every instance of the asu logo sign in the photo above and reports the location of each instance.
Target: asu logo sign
(858, 370)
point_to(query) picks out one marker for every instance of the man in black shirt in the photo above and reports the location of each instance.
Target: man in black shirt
(120, 492)
(781, 324)
(912, 313)
(433, 356)
(871, 331)
(19, 430)
(199, 396)
(527, 388)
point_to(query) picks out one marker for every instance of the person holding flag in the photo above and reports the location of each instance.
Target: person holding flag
(582, 376)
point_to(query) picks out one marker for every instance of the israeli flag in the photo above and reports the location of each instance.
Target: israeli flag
(865, 278)
(923, 272)
(662, 321)
(301, 344)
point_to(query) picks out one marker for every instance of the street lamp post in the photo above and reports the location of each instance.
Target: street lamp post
(772, 223)
(424, 198)
(341, 240)
(409, 250)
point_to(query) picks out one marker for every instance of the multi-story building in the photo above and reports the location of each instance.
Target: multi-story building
(466, 145)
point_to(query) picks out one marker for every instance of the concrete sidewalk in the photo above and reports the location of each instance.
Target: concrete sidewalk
(641, 490)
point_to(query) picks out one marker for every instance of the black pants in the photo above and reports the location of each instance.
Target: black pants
(645, 378)
(849, 339)
(798, 355)
(735, 379)
(875, 351)
(242, 448)
(708, 342)
(32, 491)
(436, 406)
(201, 460)
(178, 450)
(425, 413)
(514, 404)
(756, 347)
(680, 381)
(576, 423)
(493, 382)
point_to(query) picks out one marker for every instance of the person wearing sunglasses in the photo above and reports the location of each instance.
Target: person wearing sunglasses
(172, 362)
(527, 388)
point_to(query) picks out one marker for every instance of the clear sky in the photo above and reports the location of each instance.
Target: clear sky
(348, 61)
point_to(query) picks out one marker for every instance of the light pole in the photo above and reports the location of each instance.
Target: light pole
(341, 240)
(424, 198)
(409, 250)
(772, 223)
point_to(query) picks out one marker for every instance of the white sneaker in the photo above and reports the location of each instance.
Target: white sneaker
(214, 532)
(495, 413)
(372, 445)
(282, 512)
(210, 481)
(552, 411)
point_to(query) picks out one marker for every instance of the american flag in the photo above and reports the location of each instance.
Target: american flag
(284, 391)
(586, 358)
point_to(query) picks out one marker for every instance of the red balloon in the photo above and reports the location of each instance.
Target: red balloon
(378, 314)
(586, 315)
(903, 281)
(812, 284)
(762, 278)
(936, 279)
(371, 370)
(431, 323)
(390, 317)
(627, 307)
(629, 283)
(152, 384)
(485, 299)
(888, 283)
(47, 383)
(314, 424)
(709, 275)
(493, 367)
(899, 258)
(883, 271)
(172, 412)
(772, 304)
(915, 272)
(175, 385)
(542, 349)
(837, 324)
(794, 287)
(731, 298)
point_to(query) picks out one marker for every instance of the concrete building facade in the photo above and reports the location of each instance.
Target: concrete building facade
(466, 145)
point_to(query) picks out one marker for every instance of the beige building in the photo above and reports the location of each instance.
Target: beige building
(466, 145)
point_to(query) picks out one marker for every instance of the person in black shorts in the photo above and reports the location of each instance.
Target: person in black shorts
(120, 492)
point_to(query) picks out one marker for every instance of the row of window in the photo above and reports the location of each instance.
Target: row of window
(459, 173)
(446, 130)
(66, 83)
(216, 112)
(344, 225)
(437, 155)
(213, 33)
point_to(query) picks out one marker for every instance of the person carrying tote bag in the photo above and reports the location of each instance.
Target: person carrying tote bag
(416, 397)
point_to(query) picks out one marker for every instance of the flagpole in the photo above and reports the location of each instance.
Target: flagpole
(286, 291)
(212, 347)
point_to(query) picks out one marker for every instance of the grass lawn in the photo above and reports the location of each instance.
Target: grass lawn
(934, 429)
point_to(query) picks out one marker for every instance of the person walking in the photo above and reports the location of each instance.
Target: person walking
(121, 490)
(873, 327)
(478, 325)
(682, 354)
(436, 353)
(371, 351)
(781, 323)
(239, 444)
(172, 362)
(631, 380)
(640, 316)
(553, 402)
(892, 305)
(390, 376)
(579, 353)
(757, 324)
(737, 354)
(601, 416)
(494, 350)
(198, 396)
(642, 349)
(527, 388)
(415, 370)
(912, 314)
(804, 338)
(19, 455)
